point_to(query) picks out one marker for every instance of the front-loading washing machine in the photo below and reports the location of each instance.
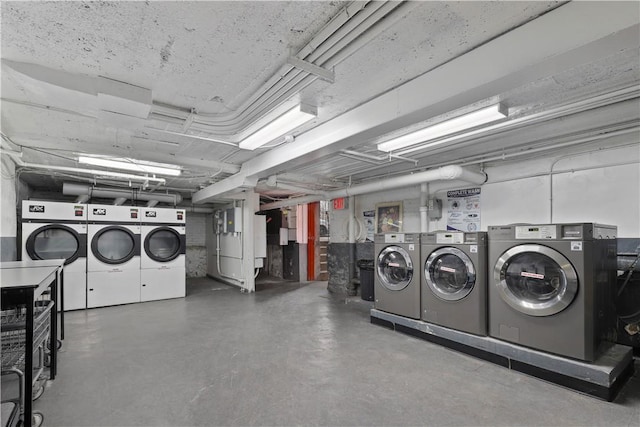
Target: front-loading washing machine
(113, 260)
(56, 230)
(552, 287)
(162, 259)
(454, 280)
(397, 274)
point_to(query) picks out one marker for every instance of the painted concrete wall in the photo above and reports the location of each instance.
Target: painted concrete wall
(8, 220)
(196, 244)
(599, 186)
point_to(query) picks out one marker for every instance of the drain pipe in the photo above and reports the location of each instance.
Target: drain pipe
(445, 173)
(424, 195)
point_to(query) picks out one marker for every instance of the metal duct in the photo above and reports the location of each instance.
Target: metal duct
(72, 189)
(451, 172)
(196, 209)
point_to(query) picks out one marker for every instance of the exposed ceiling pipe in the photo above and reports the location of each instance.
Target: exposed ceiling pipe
(82, 199)
(16, 156)
(119, 201)
(72, 189)
(354, 26)
(445, 173)
(272, 183)
(152, 203)
(196, 209)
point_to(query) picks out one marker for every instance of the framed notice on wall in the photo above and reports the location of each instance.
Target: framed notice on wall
(389, 217)
(463, 209)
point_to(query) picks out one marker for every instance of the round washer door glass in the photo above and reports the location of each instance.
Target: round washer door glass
(394, 268)
(53, 242)
(536, 280)
(113, 245)
(450, 274)
(162, 244)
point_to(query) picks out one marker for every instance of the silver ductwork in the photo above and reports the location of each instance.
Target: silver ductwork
(72, 189)
(445, 173)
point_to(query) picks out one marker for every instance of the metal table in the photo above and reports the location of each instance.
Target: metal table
(45, 263)
(23, 285)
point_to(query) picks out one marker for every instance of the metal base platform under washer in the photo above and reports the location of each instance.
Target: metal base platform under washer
(602, 378)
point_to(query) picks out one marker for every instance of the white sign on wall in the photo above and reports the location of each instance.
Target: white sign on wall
(463, 209)
(370, 224)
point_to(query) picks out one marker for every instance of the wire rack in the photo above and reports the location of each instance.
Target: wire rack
(13, 332)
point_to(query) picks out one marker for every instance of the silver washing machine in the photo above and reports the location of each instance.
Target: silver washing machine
(552, 287)
(397, 278)
(454, 284)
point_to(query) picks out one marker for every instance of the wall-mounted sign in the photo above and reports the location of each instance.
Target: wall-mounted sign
(370, 224)
(339, 204)
(463, 209)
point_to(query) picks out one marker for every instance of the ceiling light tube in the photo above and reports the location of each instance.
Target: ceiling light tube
(447, 127)
(132, 165)
(295, 117)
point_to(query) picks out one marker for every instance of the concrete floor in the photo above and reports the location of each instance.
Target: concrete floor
(289, 355)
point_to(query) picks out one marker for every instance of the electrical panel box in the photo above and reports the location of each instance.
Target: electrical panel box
(232, 220)
(284, 236)
(434, 209)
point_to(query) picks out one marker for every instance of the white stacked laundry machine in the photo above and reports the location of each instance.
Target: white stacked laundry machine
(113, 260)
(163, 268)
(53, 230)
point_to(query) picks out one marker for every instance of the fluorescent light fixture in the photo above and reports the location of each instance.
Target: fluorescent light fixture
(295, 117)
(132, 165)
(447, 127)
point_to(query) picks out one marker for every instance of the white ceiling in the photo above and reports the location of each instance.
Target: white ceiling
(190, 79)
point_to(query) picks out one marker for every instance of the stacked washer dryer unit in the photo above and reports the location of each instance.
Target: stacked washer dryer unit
(397, 277)
(552, 287)
(162, 262)
(53, 230)
(113, 261)
(454, 292)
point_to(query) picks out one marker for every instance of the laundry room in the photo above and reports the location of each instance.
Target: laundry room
(311, 212)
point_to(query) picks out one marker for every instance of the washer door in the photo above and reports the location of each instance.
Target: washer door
(535, 279)
(56, 241)
(450, 274)
(394, 268)
(164, 244)
(115, 245)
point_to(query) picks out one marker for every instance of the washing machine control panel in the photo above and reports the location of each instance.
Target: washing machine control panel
(395, 238)
(538, 232)
(450, 238)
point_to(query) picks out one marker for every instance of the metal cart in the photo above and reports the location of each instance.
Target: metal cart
(28, 323)
(14, 349)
